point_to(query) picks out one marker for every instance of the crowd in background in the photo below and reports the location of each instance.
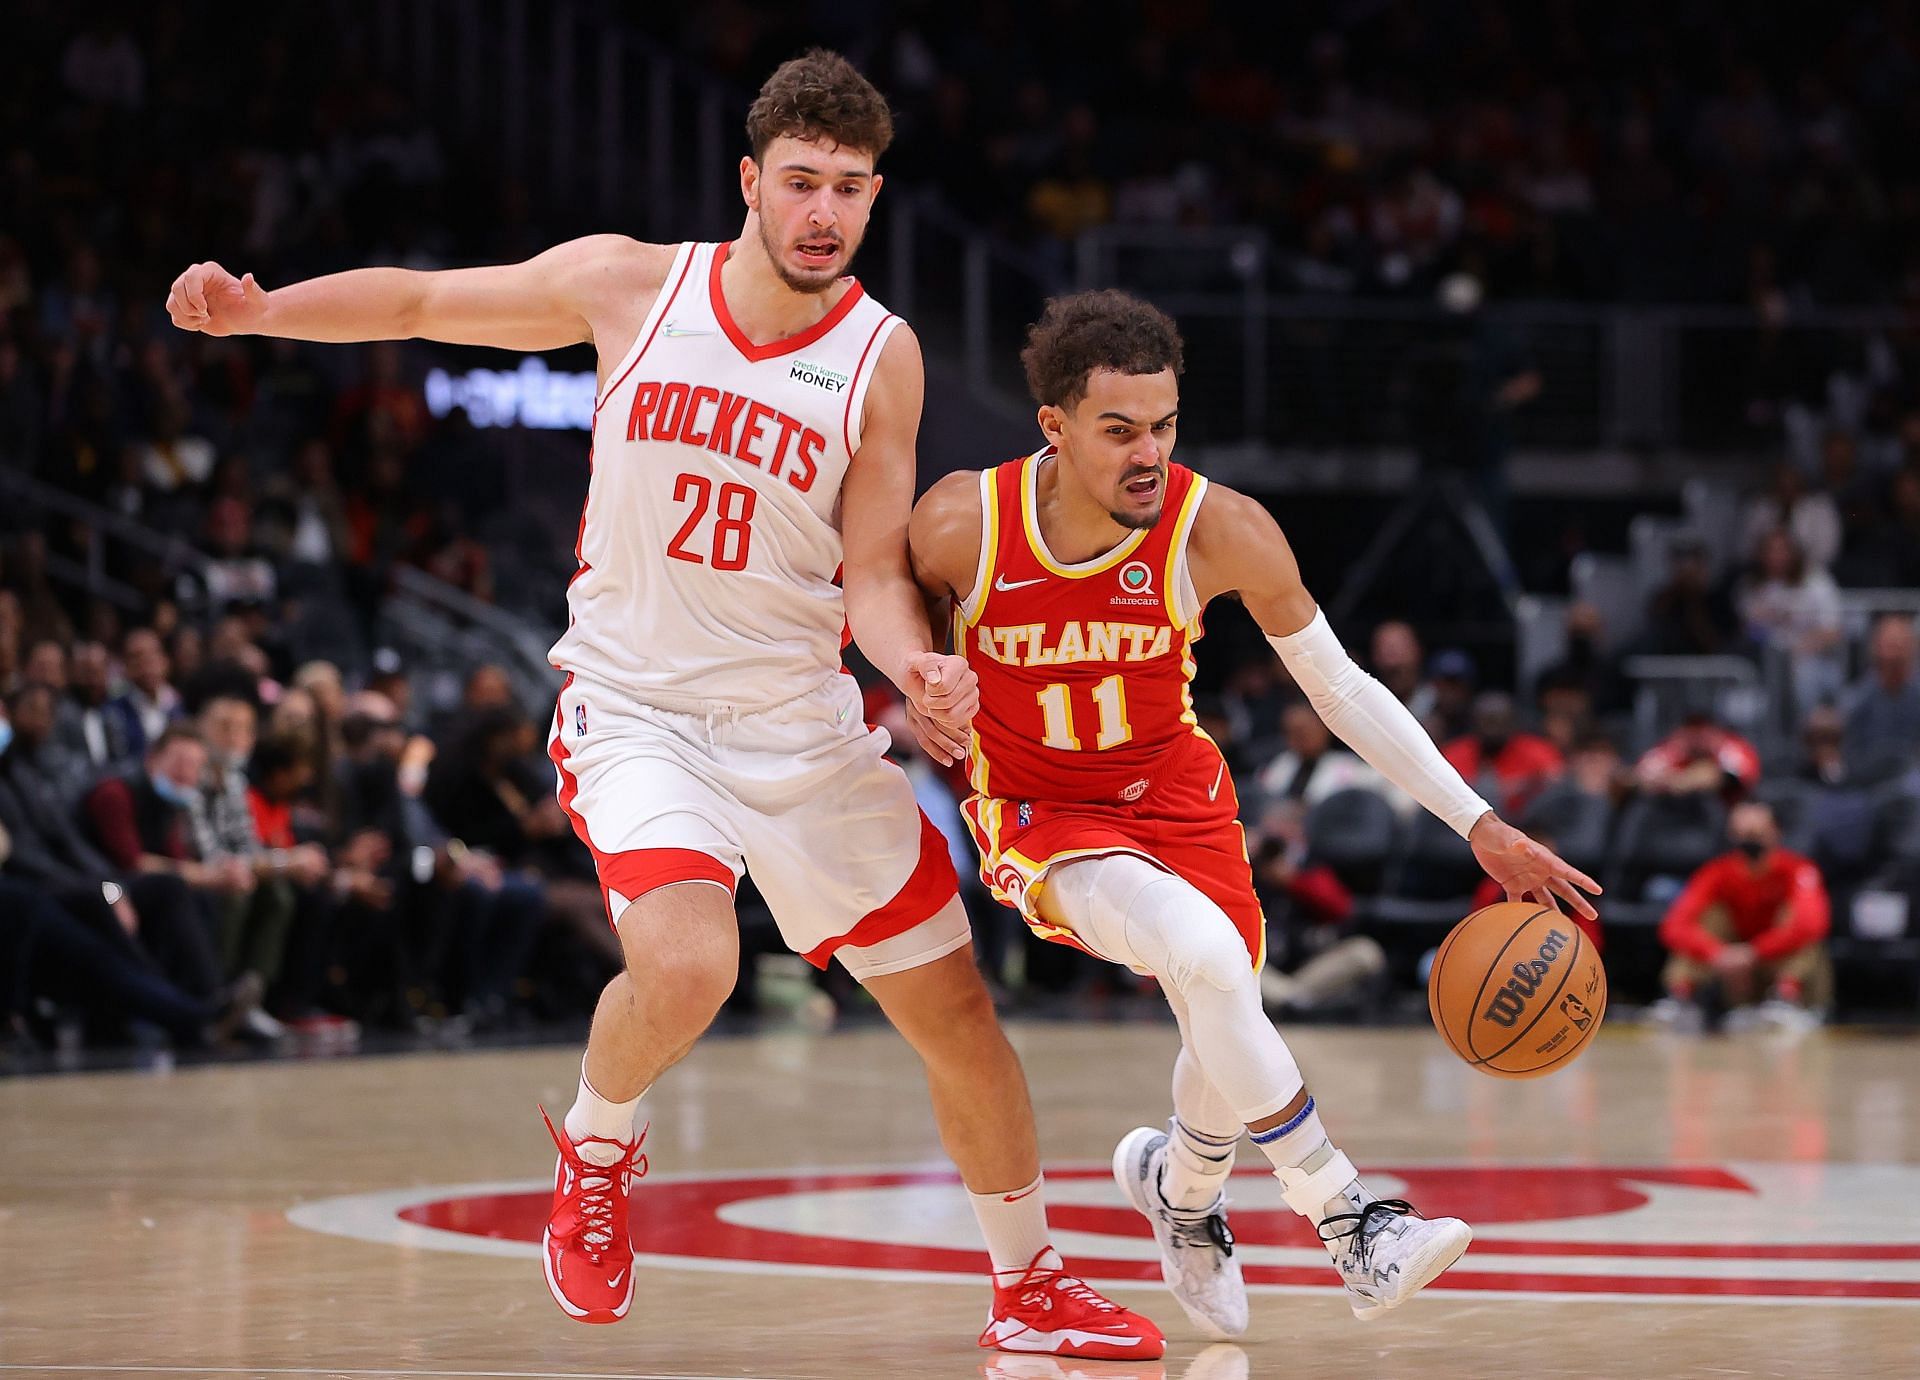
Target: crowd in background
(1630, 151)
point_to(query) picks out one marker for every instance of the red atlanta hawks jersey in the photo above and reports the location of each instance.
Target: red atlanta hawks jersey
(1085, 669)
(710, 540)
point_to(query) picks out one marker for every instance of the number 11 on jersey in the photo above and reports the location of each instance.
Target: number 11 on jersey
(1109, 698)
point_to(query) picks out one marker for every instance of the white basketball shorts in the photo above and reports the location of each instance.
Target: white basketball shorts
(800, 794)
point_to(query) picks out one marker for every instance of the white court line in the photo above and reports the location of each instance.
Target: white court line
(335, 1370)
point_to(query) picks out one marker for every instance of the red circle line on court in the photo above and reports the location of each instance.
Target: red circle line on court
(682, 1218)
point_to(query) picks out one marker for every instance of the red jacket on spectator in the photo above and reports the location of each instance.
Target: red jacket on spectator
(1492, 893)
(1736, 756)
(129, 820)
(1779, 909)
(273, 822)
(1524, 763)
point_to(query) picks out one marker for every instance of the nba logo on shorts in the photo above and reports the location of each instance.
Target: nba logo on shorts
(579, 721)
(1026, 813)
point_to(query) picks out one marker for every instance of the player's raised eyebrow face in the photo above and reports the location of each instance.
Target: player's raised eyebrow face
(1123, 418)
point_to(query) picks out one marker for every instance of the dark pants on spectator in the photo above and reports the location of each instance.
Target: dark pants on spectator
(47, 952)
(173, 931)
(496, 936)
(254, 928)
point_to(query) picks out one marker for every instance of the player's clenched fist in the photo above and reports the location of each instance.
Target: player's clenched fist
(208, 298)
(943, 687)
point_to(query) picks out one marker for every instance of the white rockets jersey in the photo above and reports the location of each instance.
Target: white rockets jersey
(710, 542)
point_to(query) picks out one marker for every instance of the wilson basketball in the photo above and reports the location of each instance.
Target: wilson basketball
(1517, 990)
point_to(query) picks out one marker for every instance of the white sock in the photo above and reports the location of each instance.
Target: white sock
(1197, 1168)
(1015, 1227)
(593, 1115)
(1315, 1178)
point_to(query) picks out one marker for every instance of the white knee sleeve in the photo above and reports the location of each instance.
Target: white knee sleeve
(1132, 912)
(1127, 910)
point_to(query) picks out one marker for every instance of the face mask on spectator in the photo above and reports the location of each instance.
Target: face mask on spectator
(1754, 848)
(169, 790)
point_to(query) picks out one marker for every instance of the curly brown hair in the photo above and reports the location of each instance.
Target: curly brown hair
(819, 95)
(1096, 330)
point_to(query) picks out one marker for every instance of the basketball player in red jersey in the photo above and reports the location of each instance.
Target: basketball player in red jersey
(1107, 817)
(753, 432)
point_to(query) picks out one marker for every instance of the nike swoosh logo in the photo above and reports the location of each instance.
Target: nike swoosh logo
(673, 330)
(1214, 789)
(614, 1283)
(1003, 584)
(1016, 1197)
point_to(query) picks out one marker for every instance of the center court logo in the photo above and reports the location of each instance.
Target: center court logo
(1789, 1233)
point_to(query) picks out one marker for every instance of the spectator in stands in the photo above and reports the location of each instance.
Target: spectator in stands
(236, 574)
(1700, 756)
(1823, 753)
(151, 702)
(149, 916)
(1315, 960)
(305, 512)
(482, 790)
(1585, 666)
(40, 767)
(173, 461)
(1882, 709)
(1454, 678)
(143, 821)
(1690, 615)
(1792, 608)
(1809, 517)
(1313, 766)
(1596, 768)
(487, 688)
(1749, 929)
(254, 924)
(1396, 664)
(1509, 765)
(98, 733)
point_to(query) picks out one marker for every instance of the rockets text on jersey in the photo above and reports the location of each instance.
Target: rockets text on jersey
(709, 544)
(1085, 669)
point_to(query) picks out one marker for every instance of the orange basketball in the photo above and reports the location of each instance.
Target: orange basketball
(1517, 990)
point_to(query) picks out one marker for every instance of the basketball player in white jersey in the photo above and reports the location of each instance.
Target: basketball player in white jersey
(753, 434)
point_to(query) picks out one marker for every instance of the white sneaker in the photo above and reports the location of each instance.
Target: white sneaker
(1196, 1248)
(1386, 1252)
(1681, 1017)
(1787, 1017)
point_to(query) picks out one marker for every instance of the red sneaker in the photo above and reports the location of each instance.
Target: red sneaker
(587, 1248)
(1048, 1310)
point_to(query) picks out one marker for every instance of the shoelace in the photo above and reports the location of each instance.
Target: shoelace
(1366, 1224)
(1036, 1282)
(1208, 1233)
(595, 1183)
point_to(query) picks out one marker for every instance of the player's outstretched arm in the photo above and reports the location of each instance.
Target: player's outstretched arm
(542, 304)
(884, 607)
(1237, 546)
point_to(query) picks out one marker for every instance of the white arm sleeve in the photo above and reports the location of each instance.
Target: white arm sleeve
(1368, 719)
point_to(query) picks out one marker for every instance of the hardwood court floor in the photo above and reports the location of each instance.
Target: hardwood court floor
(1662, 1208)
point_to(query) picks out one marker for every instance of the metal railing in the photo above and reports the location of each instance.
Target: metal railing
(30, 500)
